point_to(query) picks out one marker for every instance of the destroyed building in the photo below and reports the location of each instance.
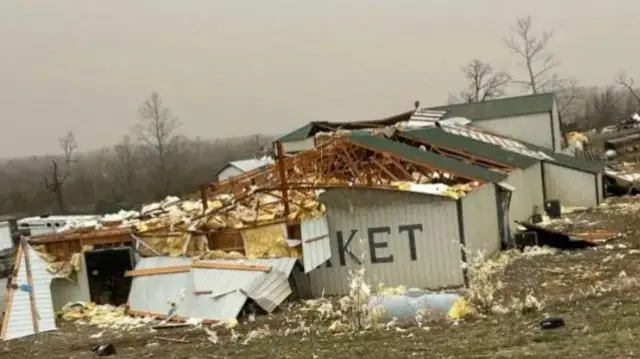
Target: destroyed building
(408, 198)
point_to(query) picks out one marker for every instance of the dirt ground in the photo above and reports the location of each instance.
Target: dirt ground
(594, 290)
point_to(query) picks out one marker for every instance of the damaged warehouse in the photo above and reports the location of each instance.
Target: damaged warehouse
(413, 238)
(407, 204)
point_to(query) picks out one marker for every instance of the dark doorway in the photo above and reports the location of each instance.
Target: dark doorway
(504, 192)
(105, 270)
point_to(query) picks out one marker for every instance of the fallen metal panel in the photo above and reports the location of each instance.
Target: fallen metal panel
(284, 264)
(269, 291)
(152, 294)
(222, 281)
(316, 248)
(20, 316)
(223, 307)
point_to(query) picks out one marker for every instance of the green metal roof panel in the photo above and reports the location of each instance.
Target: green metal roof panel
(576, 163)
(297, 135)
(443, 163)
(506, 107)
(438, 137)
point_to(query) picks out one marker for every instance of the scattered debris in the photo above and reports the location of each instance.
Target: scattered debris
(551, 323)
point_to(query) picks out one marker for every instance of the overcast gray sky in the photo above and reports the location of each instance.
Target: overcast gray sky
(230, 68)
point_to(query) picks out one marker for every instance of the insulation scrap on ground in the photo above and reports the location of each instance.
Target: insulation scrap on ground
(102, 316)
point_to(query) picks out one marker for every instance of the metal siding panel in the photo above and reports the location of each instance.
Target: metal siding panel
(572, 187)
(528, 194)
(557, 132)
(534, 129)
(229, 172)
(222, 281)
(5, 236)
(533, 185)
(152, 293)
(205, 307)
(298, 146)
(437, 246)
(269, 291)
(600, 187)
(319, 251)
(20, 318)
(481, 227)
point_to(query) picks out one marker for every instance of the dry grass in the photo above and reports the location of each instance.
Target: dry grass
(594, 290)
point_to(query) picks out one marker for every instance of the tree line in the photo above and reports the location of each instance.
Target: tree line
(153, 161)
(580, 107)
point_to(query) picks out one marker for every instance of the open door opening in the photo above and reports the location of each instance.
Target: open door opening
(504, 192)
(105, 269)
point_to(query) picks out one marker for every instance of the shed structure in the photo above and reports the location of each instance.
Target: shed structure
(524, 166)
(410, 238)
(575, 182)
(533, 118)
(404, 238)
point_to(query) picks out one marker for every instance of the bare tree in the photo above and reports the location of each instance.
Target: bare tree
(57, 174)
(604, 108)
(127, 161)
(539, 64)
(532, 49)
(483, 83)
(628, 83)
(156, 129)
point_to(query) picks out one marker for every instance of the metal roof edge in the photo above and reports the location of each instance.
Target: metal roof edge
(432, 159)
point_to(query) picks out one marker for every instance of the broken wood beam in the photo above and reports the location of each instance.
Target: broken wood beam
(232, 266)
(156, 271)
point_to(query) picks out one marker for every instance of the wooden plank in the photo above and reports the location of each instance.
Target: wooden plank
(155, 271)
(9, 299)
(233, 266)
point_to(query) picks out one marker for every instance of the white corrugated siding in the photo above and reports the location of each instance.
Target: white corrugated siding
(481, 226)
(20, 321)
(557, 133)
(600, 189)
(528, 194)
(230, 288)
(269, 290)
(437, 245)
(5, 236)
(228, 172)
(535, 129)
(298, 146)
(318, 250)
(572, 187)
(154, 292)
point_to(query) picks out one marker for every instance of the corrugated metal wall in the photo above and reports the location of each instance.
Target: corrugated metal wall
(20, 321)
(535, 129)
(228, 172)
(401, 238)
(316, 246)
(298, 146)
(481, 226)
(572, 187)
(528, 193)
(600, 188)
